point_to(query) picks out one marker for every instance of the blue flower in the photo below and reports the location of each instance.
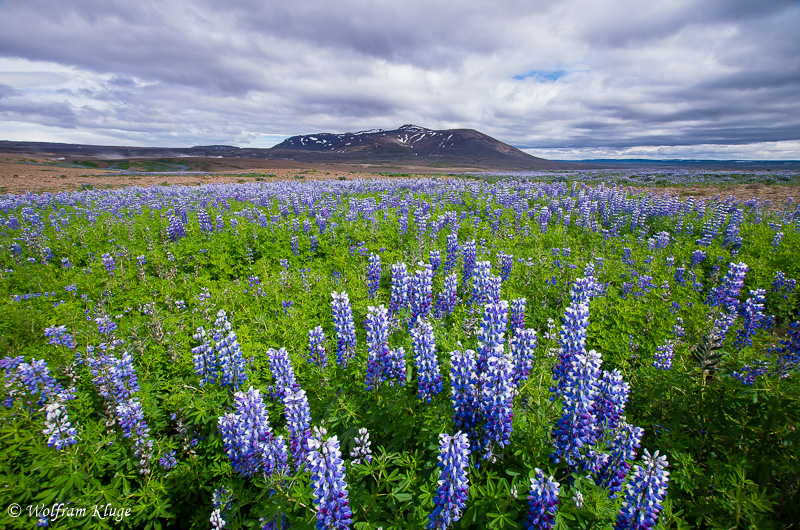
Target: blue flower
(644, 494)
(248, 440)
(522, 346)
(399, 295)
(496, 400)
(542, 502)
(464, 392)
(316, 347)
(345, 329)
(613, 469)
(662, 359)
(435, 260)
(754, 318)
(362, 450)
(517, 314)
(298, 423)
(451, 495)
(470, 253)
(281, 366)
(330, 486)
(373, 274)
(59, 337)
(449, 296)
(377, 326)
(428, 375)
(168, 461)
(421, 293)
(453, 250)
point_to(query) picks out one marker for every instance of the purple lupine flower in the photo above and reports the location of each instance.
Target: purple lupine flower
(435, 260)
(451, 495)
(204, 220)
(572, 341)
(377, 326)
(362, 450)
(59, 337)
(677, 330)
(662, 359)
(248, 440)
(330, 486)
(644, 494)
(470, 253)
(295, 243)
(316, 347)
(105, 326)
(168, 460)
(517, 314)
(373, 274)
(298, 423)
(449, 296)
(614, 469)
(464, 392)
(288, 306)
(542, 502)
(780, 284)
(496, 400)
(345, 329)
(789, 353)
(421, 293)
(491, 335)
(222, 499)
(175, 229)
(754, 318)
(506, 263)
(522, 346)
(131, 420)
(452, 253)
(776, 241)
(35, 379)
(697, 257)
(611, 398)
(396, 368)
(205, 357)
(493, 288)
(480, 283)
(428, 375)
(727, 293)
(231, 363)
(108, 263)
(281, 366)
(400, 286)
(576, 431)
(57, 427)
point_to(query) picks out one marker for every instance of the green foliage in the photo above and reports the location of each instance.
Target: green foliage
(732, 448)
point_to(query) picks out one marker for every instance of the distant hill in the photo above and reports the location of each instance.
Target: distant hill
(407, 146)
(411, 144)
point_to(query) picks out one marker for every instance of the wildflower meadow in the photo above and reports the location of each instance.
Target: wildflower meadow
(518, 351)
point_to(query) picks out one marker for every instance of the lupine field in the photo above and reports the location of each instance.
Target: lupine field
(400, 353)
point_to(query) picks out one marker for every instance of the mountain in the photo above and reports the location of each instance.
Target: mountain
(409, 146)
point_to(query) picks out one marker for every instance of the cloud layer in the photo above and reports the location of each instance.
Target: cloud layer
(571, 79)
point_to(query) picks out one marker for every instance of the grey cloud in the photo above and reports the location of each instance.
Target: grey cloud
(706, 72)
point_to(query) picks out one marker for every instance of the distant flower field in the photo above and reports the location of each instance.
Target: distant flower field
(523, 351)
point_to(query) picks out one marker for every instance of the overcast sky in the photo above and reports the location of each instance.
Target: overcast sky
(567, 80)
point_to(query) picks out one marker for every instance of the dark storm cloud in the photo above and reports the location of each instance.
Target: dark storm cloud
(539, 75)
